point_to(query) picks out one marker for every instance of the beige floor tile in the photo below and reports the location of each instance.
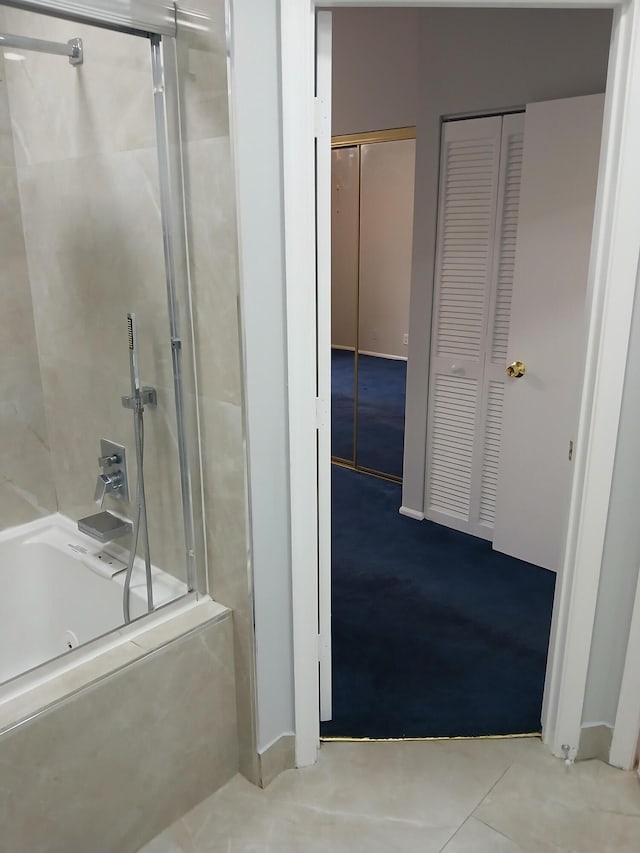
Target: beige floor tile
(240, 819)
(544, 806)
(475, 837)
(419, 797)
(436, 784)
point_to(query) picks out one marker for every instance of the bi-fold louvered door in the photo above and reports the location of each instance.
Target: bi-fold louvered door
(477, 225)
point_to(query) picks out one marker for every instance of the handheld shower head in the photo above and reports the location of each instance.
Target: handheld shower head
(132, 333)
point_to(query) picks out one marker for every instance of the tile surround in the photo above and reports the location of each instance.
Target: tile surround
(144, 751)
(211, 216)
(87, 169)
(26, 479)
(62, 112)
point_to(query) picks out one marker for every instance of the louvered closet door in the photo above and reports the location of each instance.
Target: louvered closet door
(477, 218)
(484, 497)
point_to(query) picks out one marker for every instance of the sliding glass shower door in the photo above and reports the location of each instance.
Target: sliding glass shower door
(98, 438)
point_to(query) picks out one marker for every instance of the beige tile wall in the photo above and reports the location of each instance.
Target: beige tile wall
(85, 148)
(89, 192)
(211, 215)
(26, 479)
(109, 768)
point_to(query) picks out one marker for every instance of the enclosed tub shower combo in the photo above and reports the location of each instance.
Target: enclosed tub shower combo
(116, 667)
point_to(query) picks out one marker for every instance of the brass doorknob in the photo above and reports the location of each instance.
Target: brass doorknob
(516, 369)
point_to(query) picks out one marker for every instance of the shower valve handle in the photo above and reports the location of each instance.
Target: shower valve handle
(107, 484)
(106, 461)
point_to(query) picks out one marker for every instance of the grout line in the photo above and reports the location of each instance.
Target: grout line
(449, 840)
(493, 829)
(480, 801)
(488, 794)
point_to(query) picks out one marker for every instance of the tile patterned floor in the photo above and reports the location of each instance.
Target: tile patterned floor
(498, 796)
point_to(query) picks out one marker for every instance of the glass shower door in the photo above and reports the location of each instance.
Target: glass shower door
(91, 192)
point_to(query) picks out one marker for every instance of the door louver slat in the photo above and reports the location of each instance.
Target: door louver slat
(465, 214)
(491, 456)
(450, 475)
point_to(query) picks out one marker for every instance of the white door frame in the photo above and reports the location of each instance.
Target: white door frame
(611, 287)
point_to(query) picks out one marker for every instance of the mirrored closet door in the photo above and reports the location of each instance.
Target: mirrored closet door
(372, 227)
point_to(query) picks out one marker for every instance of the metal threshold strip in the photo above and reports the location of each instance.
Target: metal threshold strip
(338, 739)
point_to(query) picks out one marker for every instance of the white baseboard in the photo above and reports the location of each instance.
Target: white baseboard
(369, 352)
(411, 513)
(382, 355)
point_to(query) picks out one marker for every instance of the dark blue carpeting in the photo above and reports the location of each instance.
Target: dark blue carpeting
(434, 633)
(342, 388)
(381, 402)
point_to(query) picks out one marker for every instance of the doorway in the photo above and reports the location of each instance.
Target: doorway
(462, 647)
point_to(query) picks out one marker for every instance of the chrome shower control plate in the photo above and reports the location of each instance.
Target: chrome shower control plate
(113, 459)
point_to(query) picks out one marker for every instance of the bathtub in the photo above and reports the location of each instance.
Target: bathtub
(104, 745)
(60, 589)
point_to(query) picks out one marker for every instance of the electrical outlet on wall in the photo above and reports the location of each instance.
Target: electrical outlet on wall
(405, 339)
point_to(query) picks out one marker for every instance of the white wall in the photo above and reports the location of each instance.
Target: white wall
(255, 92)
(469, 61)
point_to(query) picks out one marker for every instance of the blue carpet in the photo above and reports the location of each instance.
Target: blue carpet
(434, 633)
(342, 388)
(381, 402)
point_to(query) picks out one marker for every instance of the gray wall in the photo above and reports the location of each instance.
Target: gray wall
(375, 69)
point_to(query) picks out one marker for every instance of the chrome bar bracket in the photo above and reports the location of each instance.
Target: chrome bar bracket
(76, 52)
(148, 397)
(73, 48)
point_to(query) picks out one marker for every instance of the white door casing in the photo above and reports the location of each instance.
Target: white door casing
(612, 275)
(547, 327)
(323, 300)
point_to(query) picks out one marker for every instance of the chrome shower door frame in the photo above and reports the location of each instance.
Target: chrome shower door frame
(156, 21)
(164, 64)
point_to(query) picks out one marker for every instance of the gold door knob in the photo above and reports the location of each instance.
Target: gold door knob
(516, 369)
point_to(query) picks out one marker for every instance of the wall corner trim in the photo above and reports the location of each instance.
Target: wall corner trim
(595, 742)
(276, 758)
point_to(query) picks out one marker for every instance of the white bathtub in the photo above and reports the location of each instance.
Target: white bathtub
(60, 589)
